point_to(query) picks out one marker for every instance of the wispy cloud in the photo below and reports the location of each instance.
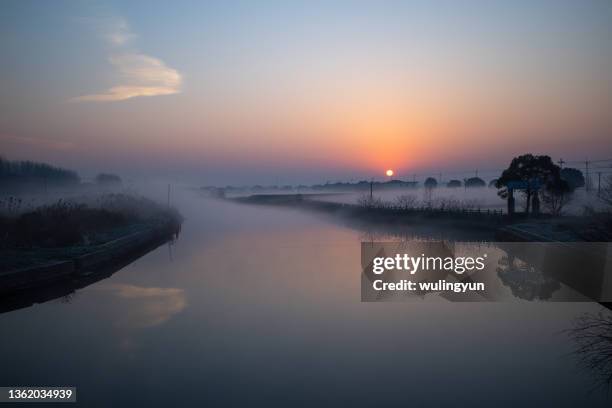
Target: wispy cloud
(139, 74)
(117, 31)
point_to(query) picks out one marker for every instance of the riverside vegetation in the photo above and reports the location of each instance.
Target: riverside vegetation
(77, 221)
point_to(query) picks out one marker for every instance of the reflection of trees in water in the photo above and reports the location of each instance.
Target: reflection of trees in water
(592, 333)
(525, 281)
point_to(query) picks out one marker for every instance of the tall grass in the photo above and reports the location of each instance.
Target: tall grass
(410, 202)
(66, 223)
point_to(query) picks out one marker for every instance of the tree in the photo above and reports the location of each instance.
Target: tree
(573, 177)
(556, 196)
(532, 171)
(108, 179)
(18, 173)
(431, 182)
(474, 182)
(453, 184)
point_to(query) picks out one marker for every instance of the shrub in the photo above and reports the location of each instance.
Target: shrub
(474, 182)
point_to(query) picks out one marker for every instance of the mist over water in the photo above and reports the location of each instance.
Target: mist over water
(251, 300)
(471, 198)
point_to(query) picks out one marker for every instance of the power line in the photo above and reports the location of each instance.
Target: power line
(590, 161)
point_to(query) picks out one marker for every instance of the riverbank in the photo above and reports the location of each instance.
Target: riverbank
(489, 225)
(63, 241)
(472, 219)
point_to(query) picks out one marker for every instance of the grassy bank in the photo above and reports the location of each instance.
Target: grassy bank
(469, 223)
(58, 240)
(452, 215)
(79, 222)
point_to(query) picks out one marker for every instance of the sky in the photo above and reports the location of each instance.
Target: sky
(301, 92)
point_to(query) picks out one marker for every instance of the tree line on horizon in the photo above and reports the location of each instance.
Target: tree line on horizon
(34, 172)
(20, 173)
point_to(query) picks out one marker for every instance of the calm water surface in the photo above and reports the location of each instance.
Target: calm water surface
(261, 306)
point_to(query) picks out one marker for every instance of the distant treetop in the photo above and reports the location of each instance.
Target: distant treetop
(474, 182)
(29, 172)
(430, 182)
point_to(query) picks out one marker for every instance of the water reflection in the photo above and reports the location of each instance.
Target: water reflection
(577, 271)
(525, 281)
(144, 306)
(509, 272)
(66, 291)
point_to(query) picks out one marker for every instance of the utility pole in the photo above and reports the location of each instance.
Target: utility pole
(440, 174)
(476, 172)
(598, 183)
(587, 180)
(561, 163)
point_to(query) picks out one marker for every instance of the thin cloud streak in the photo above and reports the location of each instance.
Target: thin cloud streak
(140, 74)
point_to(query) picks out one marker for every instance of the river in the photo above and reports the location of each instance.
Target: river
(261, 306)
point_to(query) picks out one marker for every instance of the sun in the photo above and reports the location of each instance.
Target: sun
(389, 173)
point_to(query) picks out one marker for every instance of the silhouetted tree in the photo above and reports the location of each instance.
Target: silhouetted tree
(474, 182)
(22, 172)
(453, 184)
(529, 169)
(574, 177)
(431, 182)
(556, 195)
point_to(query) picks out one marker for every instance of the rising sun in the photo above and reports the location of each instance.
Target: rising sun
(389, 172)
